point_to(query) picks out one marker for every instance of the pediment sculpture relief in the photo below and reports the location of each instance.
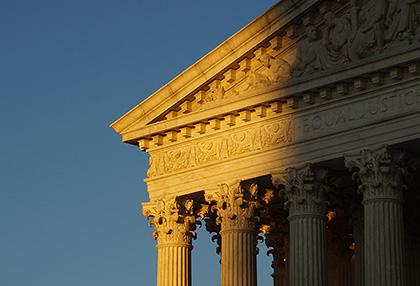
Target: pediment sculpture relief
(366, 29)
(274, 70)
(361, 30)
(337, 33)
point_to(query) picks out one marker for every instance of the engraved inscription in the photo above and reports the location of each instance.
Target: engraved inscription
(283, 132)
(376, 108)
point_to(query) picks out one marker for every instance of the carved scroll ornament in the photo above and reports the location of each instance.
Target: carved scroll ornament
(174, 220)
(380, 172)
(239, 208)
(305, 188)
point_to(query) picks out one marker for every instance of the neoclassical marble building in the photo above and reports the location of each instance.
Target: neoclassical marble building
(301, 131)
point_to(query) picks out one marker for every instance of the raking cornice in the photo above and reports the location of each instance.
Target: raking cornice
(212, 64)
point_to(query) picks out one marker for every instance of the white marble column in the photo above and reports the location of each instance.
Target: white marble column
(305, 190)
(174, 222)
(380, 173)
(237, 214)
(238, 257)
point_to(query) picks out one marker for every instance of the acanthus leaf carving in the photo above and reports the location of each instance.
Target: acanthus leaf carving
(380, 172)
(236, 207)
(174, 220)
(305, 188)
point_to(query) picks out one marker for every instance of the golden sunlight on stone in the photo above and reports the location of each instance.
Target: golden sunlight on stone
(301, 131)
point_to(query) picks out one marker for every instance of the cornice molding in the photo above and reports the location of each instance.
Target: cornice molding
(291, 62)
(208, 67)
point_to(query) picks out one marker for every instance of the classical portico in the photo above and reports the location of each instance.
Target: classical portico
(301, 131)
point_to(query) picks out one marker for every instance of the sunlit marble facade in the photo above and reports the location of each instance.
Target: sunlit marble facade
(301, 131)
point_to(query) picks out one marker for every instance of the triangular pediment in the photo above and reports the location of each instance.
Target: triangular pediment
(293, 43)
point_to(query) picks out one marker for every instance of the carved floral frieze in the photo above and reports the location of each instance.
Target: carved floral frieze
(284, 131)
(221, 148)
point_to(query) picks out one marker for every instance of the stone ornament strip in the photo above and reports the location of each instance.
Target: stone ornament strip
(378, 108)
(362, 83)
(209, 150)
(338, 36)
(283, 131)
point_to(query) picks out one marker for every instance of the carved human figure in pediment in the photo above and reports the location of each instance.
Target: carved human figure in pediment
(215, 93)
(337, 36)
(277, 69)
(369, 35)
(274, 70)
(382, 22)
(403, 19)
(312, 54)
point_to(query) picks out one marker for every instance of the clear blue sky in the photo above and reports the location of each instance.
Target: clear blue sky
(69, 189)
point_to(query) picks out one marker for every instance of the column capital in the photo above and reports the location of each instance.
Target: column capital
(380, 172)
(237, 207)
(174, 220)
(305, 188)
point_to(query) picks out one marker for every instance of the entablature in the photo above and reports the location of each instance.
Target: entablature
(276, 102)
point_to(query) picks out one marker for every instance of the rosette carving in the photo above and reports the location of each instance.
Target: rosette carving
(174, 220)
(380, 172)
(305, 189)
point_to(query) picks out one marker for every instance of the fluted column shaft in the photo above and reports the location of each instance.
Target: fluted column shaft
(307, 251)
(380, 174)
(238, 257)
(237, 209)
(384, 241)
(307, 261)
(174, 265)
(174, 222)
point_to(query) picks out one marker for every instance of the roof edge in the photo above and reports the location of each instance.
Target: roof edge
(209, 63)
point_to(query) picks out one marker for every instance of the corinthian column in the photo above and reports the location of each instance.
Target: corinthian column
(380, 175)
(174, 222)
(237, 214)
(305, 190)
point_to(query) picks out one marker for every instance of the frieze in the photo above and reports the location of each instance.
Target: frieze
(223, 147)
(350, 115)
(282, 132)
